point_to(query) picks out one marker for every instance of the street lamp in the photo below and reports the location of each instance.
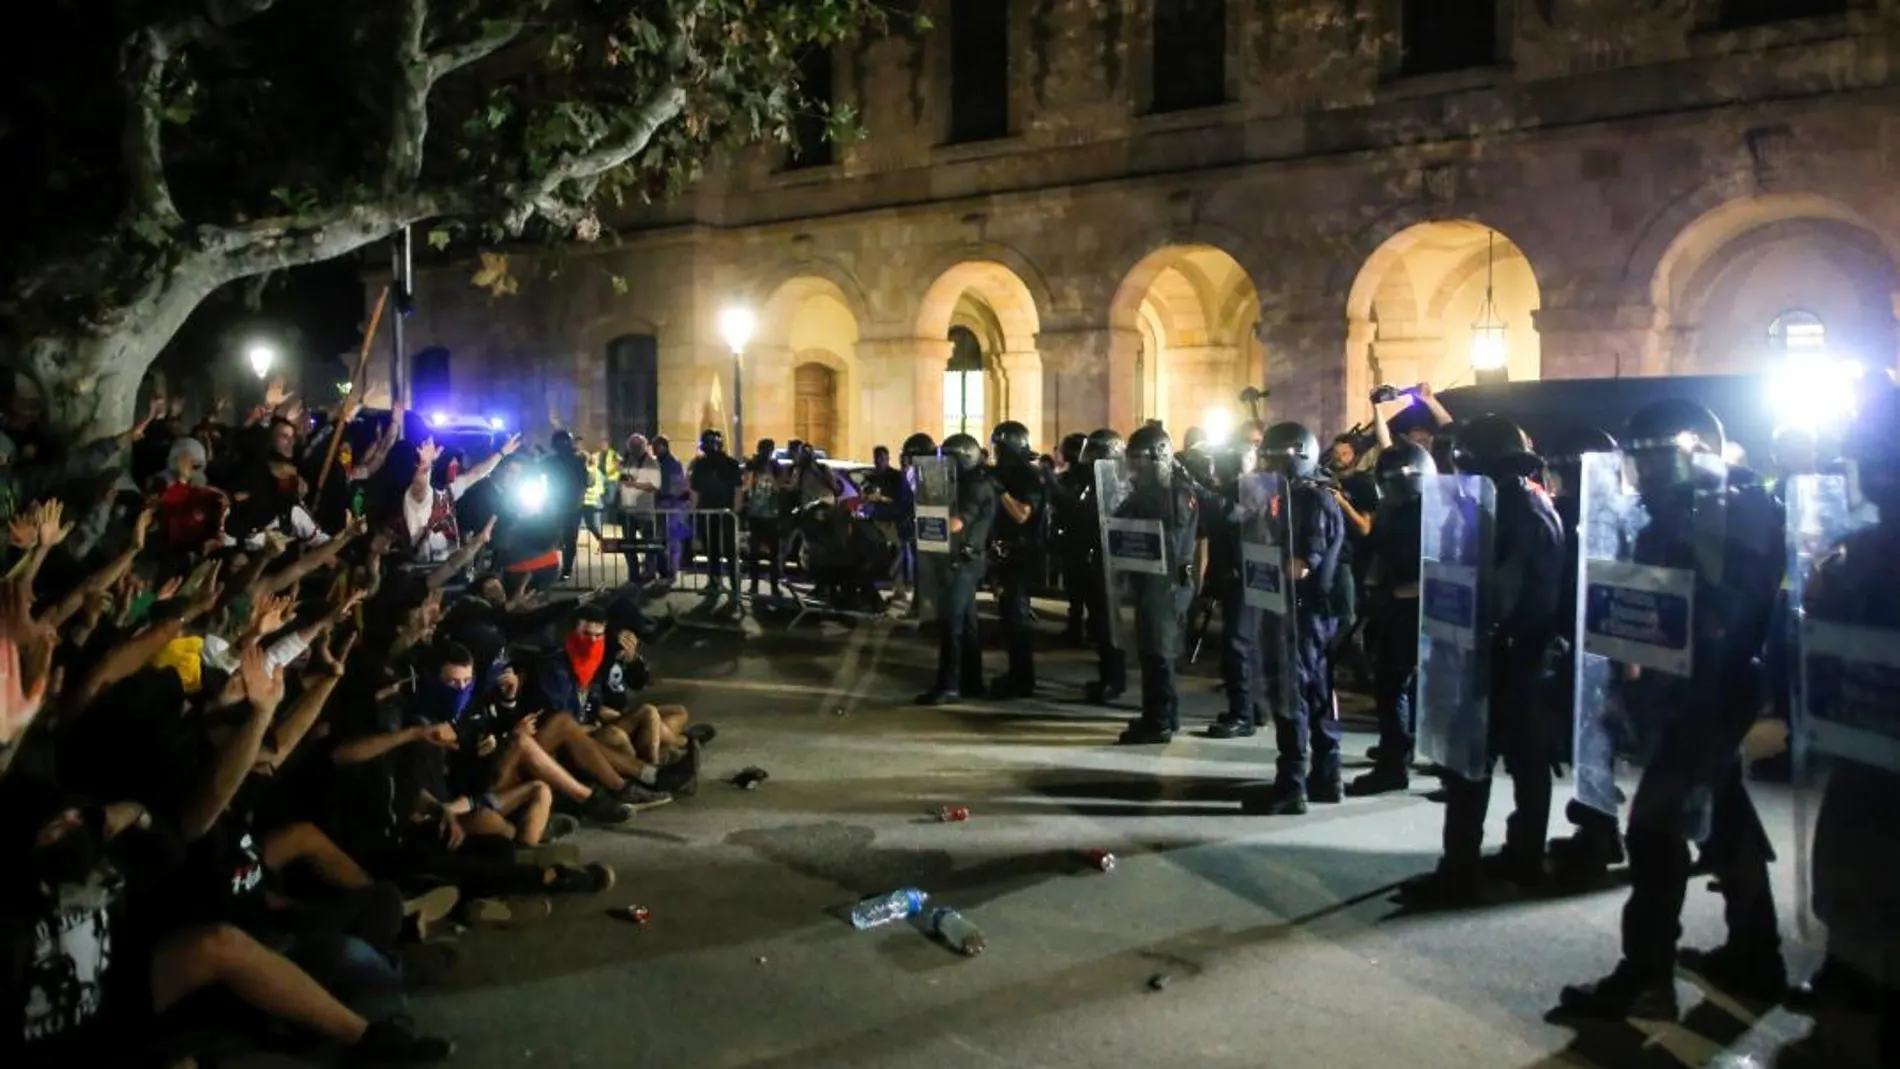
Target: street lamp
(261, 357)
(1490, 352)
(737, 324)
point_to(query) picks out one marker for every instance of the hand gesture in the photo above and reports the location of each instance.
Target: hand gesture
(23, 530)
(452, 833)
(275, 394)
(513, 443)
(328, 661)
(269, 615)
(629, 647)
(1424, 389)
(207, 596)
(427, 452)
(440, 736)
(142, 527)
(486, 534)
(20, 701)
(263, 684)
(51, 531)
(527, 726)
(486, 746)
(276, 544)
(170, 589)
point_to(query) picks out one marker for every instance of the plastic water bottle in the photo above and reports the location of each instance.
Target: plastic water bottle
(957, 931)
(884, 909)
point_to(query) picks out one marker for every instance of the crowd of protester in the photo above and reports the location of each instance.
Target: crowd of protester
(280, 705)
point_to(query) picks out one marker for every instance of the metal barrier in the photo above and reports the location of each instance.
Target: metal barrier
(666, 550)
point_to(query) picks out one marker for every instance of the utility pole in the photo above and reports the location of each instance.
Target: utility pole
(402, 271)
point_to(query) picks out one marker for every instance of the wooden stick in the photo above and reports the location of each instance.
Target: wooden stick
(356, 379)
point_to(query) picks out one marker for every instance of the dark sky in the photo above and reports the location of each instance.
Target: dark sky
(312, 314)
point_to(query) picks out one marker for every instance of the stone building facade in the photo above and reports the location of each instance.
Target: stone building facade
(1088, 212)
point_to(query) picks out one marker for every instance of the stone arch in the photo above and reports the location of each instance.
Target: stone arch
(845, 286)
(1725, 276)
(1412, 307)
(1193, 309)
(805, 319)
(996, 304)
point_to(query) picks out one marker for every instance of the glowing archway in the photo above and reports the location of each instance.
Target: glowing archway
(993, 304)
(1195, 308)
(807, 321)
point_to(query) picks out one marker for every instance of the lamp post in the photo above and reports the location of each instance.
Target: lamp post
(261, 358)
(1490, 351)
(737, 324)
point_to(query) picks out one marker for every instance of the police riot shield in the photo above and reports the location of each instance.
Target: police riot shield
(1636, 629)
(1457, 518)
(935, 487)
(1266, 541)
(1845, 683)
(1130, 547)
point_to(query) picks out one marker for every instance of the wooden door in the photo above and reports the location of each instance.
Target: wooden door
(815, 406)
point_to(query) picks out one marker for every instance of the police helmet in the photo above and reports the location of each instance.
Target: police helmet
(1152, 442)
(918, 445)
(1564, 451)
(1291, 449)
(964, 449)
(1402, 469)
(1072, 447)
(1104, 444)
(1496, 447)
(1664, 439)
(1009, 442)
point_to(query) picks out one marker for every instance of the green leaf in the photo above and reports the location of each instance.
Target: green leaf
(438, 239)
(177, 114)
(619, 283)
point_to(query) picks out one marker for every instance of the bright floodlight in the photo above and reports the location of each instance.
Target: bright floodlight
(736, 325)
(261, 358)
(1488, 349)
(1218, 422)
(437, 419)
(496, 423)
(532, 495)
(1814, 391)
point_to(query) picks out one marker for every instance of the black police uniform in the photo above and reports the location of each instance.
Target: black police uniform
(1076, 536)
(1240, 664)
(1693, 730)
(1392, 572)
(1018, 550)
(1527, 555)
(1161, 604)
(959, 653)
(1310, 732)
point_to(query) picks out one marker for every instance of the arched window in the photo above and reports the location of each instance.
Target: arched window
(963, 385)
(1797, 331)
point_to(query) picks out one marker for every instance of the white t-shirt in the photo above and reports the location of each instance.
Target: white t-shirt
(647, 471)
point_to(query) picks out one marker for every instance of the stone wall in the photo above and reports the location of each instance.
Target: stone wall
(1662, 189)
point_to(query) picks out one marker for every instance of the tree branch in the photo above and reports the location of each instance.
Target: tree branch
(261, 245)
(538, 197)
(409, 115)
(142, 64)
(498, 36)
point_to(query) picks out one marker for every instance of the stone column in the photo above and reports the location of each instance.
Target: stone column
(1077, 368)
(1198, 378)
(1404, 361)
(1022, 371)
(1607, 341)
(1306, 371)
(902, 388)
(769, 396)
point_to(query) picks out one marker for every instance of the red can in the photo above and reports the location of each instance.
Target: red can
(635, 914)
(953, 814)
(1102, 860)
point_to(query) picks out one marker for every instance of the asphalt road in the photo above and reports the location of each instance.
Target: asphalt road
(1219, 940)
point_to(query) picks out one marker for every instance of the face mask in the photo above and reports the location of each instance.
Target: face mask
(585, 653)
(449, 701)
(70, 860)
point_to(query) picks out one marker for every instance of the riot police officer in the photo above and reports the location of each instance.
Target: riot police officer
(1688, 728)
(1069, 540)
(1160, 601)
(1310, 731)
(1527, 554)
(959, 656)
(1855, 837)
(912, 582)
(1240, 663)
(1017, 542)
(1392, 578)
(1597, 845)
(1111, 661)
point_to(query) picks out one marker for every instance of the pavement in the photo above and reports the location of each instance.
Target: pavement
(1218, 940)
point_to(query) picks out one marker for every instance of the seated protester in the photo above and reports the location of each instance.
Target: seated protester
(423, 528)
(197, 746)
(497, 751)
(88, 980)
(423, 831)
(661, 734)
(488, 620)
(582, 690)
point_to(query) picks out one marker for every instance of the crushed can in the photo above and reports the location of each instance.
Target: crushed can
(1101, 860)
(634, 914)
(953, 814)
